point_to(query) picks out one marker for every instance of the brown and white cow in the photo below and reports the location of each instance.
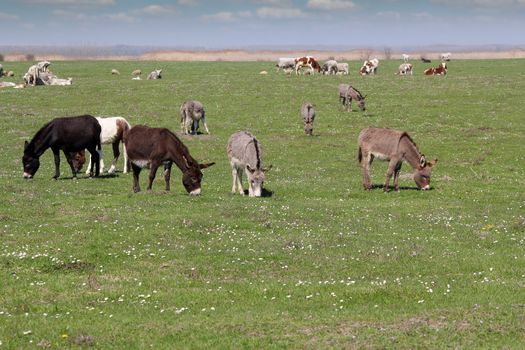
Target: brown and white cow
(439, 70)
(369, 67)
(307, 61)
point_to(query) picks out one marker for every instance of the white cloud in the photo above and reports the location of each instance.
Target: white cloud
(69, 15)
(482, 3)
(389, 15)
(120, 17)
(279, 13)
(8, 17)
(330, 5)
(227, 16)
(72, 2)
(187, 2)
(156, 10)
(279, 3)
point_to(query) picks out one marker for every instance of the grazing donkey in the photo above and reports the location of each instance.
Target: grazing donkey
(155, 74)
(155, 146)
(70, 134)
(113, 130)
(308, 113)
(245, 154)
(347, 93)
(192, 112)
(394, 146)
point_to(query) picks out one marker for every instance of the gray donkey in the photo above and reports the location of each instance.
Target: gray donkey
(308, 113)
(245, 154)
(395, 147)
(347, 93)
(156, 74)
(192, 111)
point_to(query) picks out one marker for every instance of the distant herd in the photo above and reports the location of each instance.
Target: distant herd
(154, 147)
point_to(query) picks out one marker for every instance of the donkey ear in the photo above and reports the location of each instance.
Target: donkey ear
(206, 165)
(250, 168)
(267, 168)
(432, 162)
(422, 161)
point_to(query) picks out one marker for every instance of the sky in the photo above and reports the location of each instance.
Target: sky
(252, 23)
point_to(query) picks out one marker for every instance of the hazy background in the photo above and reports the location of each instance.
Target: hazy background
(262, 23)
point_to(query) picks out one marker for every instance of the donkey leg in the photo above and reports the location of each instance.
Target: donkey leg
(234, 176)
(167, 175)
(396, 176)
(116, 154)
(194, 127)
(391, 167)
(56, 153)
(205, 125)
(154, 165)
(239, 181)
(367, 160)
(136, 172)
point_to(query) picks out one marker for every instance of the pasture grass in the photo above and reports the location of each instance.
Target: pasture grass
(318, 263)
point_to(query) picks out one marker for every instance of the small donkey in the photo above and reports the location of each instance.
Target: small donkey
(245, 154)
(347, 93)
(192, 112)
(308, 113)
(394, 146)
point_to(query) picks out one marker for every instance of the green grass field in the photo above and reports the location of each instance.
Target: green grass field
(318, 264)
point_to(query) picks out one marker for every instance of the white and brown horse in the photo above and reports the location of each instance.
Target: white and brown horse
(113, 129)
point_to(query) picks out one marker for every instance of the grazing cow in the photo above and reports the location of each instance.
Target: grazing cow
(307, 61)
(342, 69)
(136, 72)
(404, 69)
(285, 63)
(155, 146)
(394, 146)
(347, 93)
(192, 112)
(155, 74)
(112, 131)
(445, 56)
(308, 114)
(425, 60)
(245, 154)
(69, 134)
(369, 67)
(406, 57)
(439, 70)
(329, 67)
(115, 72)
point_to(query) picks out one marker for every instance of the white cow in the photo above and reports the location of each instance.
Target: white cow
(445, 56)
(285, 63)
(342, 69)
(406, 57)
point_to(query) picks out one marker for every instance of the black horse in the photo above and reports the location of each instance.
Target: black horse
(69, 134)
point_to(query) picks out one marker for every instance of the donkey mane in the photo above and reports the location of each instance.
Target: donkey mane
(358, 92)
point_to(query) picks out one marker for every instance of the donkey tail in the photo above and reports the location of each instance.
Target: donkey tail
(359, 154)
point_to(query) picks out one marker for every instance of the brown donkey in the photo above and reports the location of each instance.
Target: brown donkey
(394, 146)
(151, 147)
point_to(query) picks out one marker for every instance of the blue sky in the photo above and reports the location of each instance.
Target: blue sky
(241, 23)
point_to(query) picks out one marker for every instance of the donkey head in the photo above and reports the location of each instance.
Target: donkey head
(192, 177)
(256, 180)
(308, 128)
(31, 163)
(423, 172)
